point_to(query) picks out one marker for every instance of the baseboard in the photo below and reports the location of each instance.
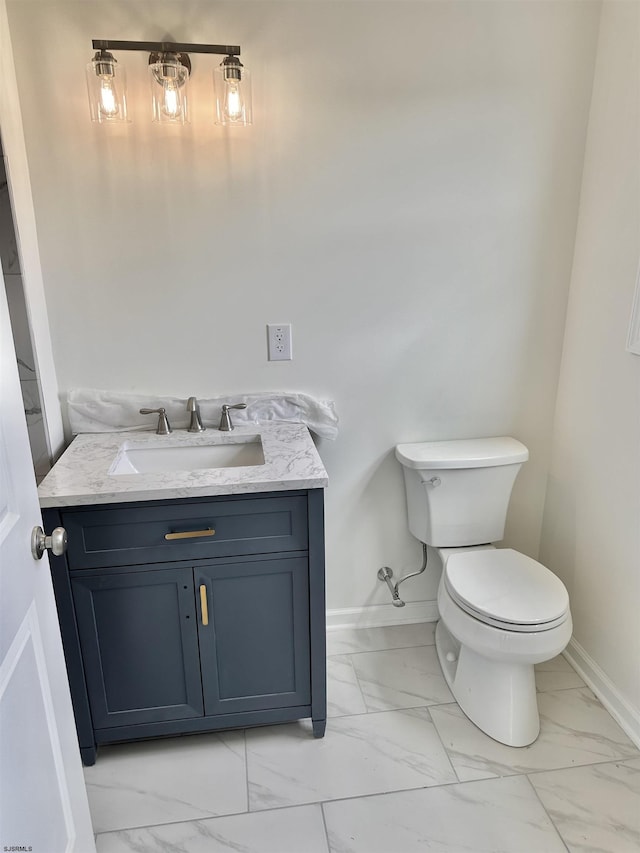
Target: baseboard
(382, 615)
(627, 717)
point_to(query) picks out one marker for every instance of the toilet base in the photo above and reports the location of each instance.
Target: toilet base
(498, 696)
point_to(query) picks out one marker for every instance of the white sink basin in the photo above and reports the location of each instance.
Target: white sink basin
(174, 457)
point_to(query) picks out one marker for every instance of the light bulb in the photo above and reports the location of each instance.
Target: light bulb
(169, 76)
(171, 104)
(108, 100)
(233, 100)
(107, 89)
(232, 83)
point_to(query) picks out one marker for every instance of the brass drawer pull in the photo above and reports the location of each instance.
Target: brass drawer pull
(191, 534)
(203, 604)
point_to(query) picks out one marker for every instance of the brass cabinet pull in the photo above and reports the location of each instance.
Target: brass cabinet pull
(203, 604)
(190, 534)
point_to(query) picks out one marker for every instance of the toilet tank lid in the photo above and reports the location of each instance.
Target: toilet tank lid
(462, 453)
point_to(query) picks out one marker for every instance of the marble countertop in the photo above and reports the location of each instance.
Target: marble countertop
(82, 474)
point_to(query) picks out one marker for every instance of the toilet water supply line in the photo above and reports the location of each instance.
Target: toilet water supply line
(385, 574)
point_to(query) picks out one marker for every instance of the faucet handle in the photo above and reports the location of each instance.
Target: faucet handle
(196, 423)
(225, 417)
(163, 422)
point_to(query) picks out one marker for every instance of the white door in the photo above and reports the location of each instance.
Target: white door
(43, 800)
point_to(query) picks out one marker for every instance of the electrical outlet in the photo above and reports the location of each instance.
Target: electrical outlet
(279, 341)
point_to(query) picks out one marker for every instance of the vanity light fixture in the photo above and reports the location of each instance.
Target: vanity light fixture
(169, 71)
(169, 75)
(107, 88)
(232, 86)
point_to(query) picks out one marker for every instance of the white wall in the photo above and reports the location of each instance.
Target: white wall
(407, 199)
(591, 532)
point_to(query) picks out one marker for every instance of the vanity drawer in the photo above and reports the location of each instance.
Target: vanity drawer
(129, 534)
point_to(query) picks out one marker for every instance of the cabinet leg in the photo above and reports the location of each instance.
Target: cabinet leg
(318, 727)
(88, 755)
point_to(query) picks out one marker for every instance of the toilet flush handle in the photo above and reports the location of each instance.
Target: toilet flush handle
(434, 481)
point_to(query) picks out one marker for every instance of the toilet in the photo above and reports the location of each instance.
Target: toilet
(501, 612)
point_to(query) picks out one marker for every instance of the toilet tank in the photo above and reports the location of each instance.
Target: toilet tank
(458, 491)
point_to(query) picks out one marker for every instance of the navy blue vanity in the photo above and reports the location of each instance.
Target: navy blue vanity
(192, 614)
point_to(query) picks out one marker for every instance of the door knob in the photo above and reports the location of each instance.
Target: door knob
(56, 543)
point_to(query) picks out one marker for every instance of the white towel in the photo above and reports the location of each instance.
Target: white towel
(113, 411)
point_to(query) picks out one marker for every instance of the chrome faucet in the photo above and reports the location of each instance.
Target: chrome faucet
(225, 417)
(196, 423)
(163, 423)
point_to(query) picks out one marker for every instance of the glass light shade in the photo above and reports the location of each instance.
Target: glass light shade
(169, 89)
(232, 83)
(107, 89)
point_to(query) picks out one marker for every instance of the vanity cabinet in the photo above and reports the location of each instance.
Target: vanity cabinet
(192, 615)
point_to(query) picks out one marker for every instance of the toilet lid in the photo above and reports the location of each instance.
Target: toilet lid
(506, 588)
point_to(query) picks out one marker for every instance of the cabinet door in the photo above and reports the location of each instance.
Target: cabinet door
(254, 650)
(139, 643)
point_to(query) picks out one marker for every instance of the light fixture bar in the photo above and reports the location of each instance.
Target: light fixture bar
(166, 47)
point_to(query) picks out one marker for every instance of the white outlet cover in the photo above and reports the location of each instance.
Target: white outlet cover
(279, 342)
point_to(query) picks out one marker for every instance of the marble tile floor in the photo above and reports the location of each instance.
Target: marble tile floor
(400, 770)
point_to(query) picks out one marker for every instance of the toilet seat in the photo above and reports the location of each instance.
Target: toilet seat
(506, 589)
